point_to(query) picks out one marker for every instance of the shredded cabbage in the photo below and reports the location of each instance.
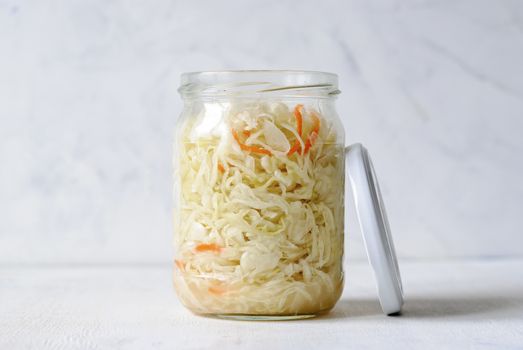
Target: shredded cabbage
(259, 210)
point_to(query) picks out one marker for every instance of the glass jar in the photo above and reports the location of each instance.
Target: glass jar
(259, 194)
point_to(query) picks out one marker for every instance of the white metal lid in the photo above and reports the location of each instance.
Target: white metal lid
(375, 228)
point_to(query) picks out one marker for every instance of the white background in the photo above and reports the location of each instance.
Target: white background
(88, 100)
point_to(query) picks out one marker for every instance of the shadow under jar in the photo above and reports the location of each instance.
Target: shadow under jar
(259, 194)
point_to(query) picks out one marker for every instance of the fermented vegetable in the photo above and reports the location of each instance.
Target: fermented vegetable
(259, 210)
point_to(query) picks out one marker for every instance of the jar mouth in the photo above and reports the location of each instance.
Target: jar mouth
(258, 83)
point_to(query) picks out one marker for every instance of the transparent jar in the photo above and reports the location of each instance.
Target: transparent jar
(259, 194)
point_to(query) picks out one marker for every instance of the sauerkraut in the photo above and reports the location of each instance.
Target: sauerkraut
(258, 210)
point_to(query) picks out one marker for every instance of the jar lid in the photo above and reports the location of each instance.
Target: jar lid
(375, 228)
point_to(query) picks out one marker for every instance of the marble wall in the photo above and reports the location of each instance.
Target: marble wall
(88, 99)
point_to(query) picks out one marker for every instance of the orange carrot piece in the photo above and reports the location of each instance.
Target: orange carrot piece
(313, 136)
(299, 118)
(221, 169)
(315, 122)
(253, 149)
(208, 247)
(299, 126)
(246, 133)
(307, 146)
(179, 264)
(310, 141)
(295, 147)
(216, 290)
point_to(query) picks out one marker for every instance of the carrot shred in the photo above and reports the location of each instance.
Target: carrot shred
(313, 136)
(179, 264)
(315, 122)
(310, 141)
(307, 146)
(299, 127)
(208, 247)
(221, 169)
(299, 118)
(246, 133)
(253, 149)
(216, 290)
(295, 147)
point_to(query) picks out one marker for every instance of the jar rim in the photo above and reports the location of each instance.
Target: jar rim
(241, 83)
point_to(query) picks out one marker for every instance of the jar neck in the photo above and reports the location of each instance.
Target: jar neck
(258, 85)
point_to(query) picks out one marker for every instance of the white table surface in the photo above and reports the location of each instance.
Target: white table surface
(457, 304)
